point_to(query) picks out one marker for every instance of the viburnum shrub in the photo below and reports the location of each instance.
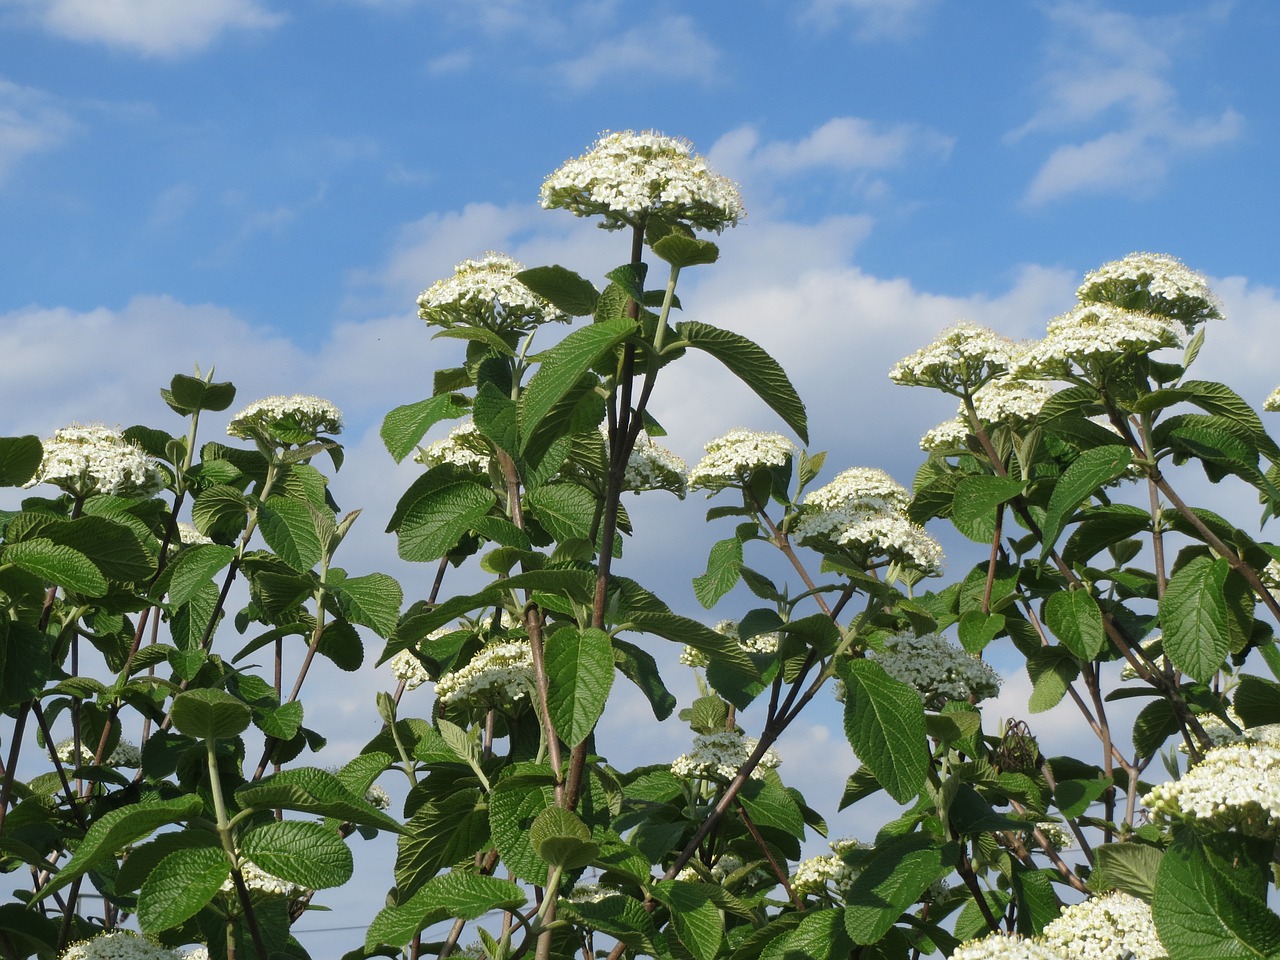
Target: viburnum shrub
(177, 783)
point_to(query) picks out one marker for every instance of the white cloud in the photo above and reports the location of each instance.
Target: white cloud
(1112, 78)
(685, 55)
(161, 28)
(31, 121)
(873, 19)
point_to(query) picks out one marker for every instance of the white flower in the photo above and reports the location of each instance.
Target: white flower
(719, 756)
(1153, 283)
(1095, 333)
(1008, 399)
(627, 177)
(949, 435)
(296, 419)
(1005, 946)
(761, 643)
(964, 355)
(1111, 927)
(1236, 786)
(654, 467)
(464, 447)
(938, 669)
(124, 755)
(377, 797)
(589, 893)
(861, 488)
(873, 535)
(1272, 403)
(732, 458)
(84, 460)
(498, 675)
(813, 875)
(118, 945)
(1059, 837)
(199, 953)
(189, 536)
(485, 293)
(257, 880)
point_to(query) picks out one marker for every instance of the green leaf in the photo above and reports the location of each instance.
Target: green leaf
(770, 805)
(287, 527)
(821, 935)
(179, 886)
(564, 364)
(314, 791)
(19, 459)
(754, 367)
(25, 664)
(1154, 724)
(210, 714)
(513, 805)
(1075, 619)
(724, 567)
(308, 854)
(437, 509)
(440, 833)
(220, 512)
(1257, 700)
(111, 546)
(1087, 473)
(561, 839)
(1220, 400)
(641, 668)
(737, 673)
(372, 601)
(580, 675)
(565, 510)
(1074, 796)
(895, 876)
(1193, 615)
(187, 395)
(565, 290)
(974, 505)
(697, 920)
(977, 629)
(1208, 901)
(1051, 669)
(884, 721)
(681, 251)
(1034, 896)
(193, 568)
(1128, 867)
(118, 828)
(57, 564)
(404, 426)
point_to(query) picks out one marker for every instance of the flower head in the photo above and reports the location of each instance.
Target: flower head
(1272, 403)
(485, 293)
(189, 536)
(1095, 333)
(732, 458)
(124, 755)
(257, 880)
(1006, 946)
(1153, 283)
(118, 945)
(407, 667)
(84, 460)
(965, 356)
(628, 177)
(815, 874)
(654, 467)
(464, 447)
(297, 419)
(719, 756)
(1115, 926)
(1235, 786)
(947, 436)
(765, 643)
(499, 675)
(1005, 399)
(937, 669)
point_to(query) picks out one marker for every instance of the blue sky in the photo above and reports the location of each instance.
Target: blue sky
(265, 187)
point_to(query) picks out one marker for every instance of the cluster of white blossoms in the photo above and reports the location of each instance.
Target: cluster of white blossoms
(498, 675)
(1115, 926)
(378, 798)
(1058, 836)
(485, 293)
(405, 666)
(626, 177)
(1153, 283)
(1005, 399)
(1007, 946)
(966, 355)
(815, 874)
(721, 870)
(949, 435)
(464, 447)
(124, 755)
(257, 880)
(1095, 332)
(1272, 403)
(1235, 786)
(119, 945)
(732, 458)
(189, 536)
(761, 643)
(654, 467)
(84, 460)
(864, 510)
(295, 419)
(937, 668)
(719, 756)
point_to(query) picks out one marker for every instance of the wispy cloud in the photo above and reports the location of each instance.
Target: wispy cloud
(685, 54)
(161, 28)
(1112, 81)
(30, 121)
(872, 19)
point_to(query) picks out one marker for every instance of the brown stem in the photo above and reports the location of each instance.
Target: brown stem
(764, 848)
(995, 556)
(533, 624)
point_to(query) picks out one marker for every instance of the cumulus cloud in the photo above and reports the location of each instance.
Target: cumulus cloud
(872, 19)
(31, 121)
(685, 55)
(1112, 78)
(150, 27)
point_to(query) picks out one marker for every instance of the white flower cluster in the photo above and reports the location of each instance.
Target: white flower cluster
(1058, 836)
(1111, 927)
(1272, 403)
(1270, 575)
(814, 875)
(760, 643)
(405, 666)
(124, 755)
(1008, 399)
(485, 293)
(257, 880)
(1006, 946)
(84, 460)
(189, 536)
(937, 668)
(293, 419)
(464, 447)
(864, 510)
(378, 798)
(119, 945)
(498, 675)
(949, 435)
(199, 953)
(1155, 283)
(589, 892)
(719, 756)
(1236, 786)
(654, 467)
(732, 458)
(1095, 332)
(721, 870)
(626, 177)
(964, 355)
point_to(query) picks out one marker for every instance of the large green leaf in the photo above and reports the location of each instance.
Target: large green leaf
(438, 834)
(1078, 483)
(770, 805)
(180, 885)
(565, 510)
(289, 530)
(974, 504)
(684, 251)
(311, 790)
(437, 509)
(456, 894)
(404, 426)
(308, 854)
(698, 921)
(561, 839)
(372, 601)
(1075, 619)
(187, 395)
(897, 873)
(1193, 615)
(1220, 400)
(884, 721)
(19, 459)
(57, 564)
(580, 675)
(210, 714)
(641, 668)
(220, 512)
(563, 365)
(754, 367)
(1129, 867)
(1257, 700)
(1051, 669)
(724, 569)
(193, 569)
(514, 804)
(564, 289)
(25, 664)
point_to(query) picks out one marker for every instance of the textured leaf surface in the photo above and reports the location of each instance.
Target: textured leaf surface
(19, 459)
(893, 879)
(1090, 470)
(884, 720)
(193, 568)
(580, 672)
(724, 566)
(404, 426)
(287, 527)
(436, 510)
(1193, 615)
(697, 920)
(210, 714)
(1075, 619)
(309, 854)
(179, 886)
(57, 564)
(372, 601)
(564, 364)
